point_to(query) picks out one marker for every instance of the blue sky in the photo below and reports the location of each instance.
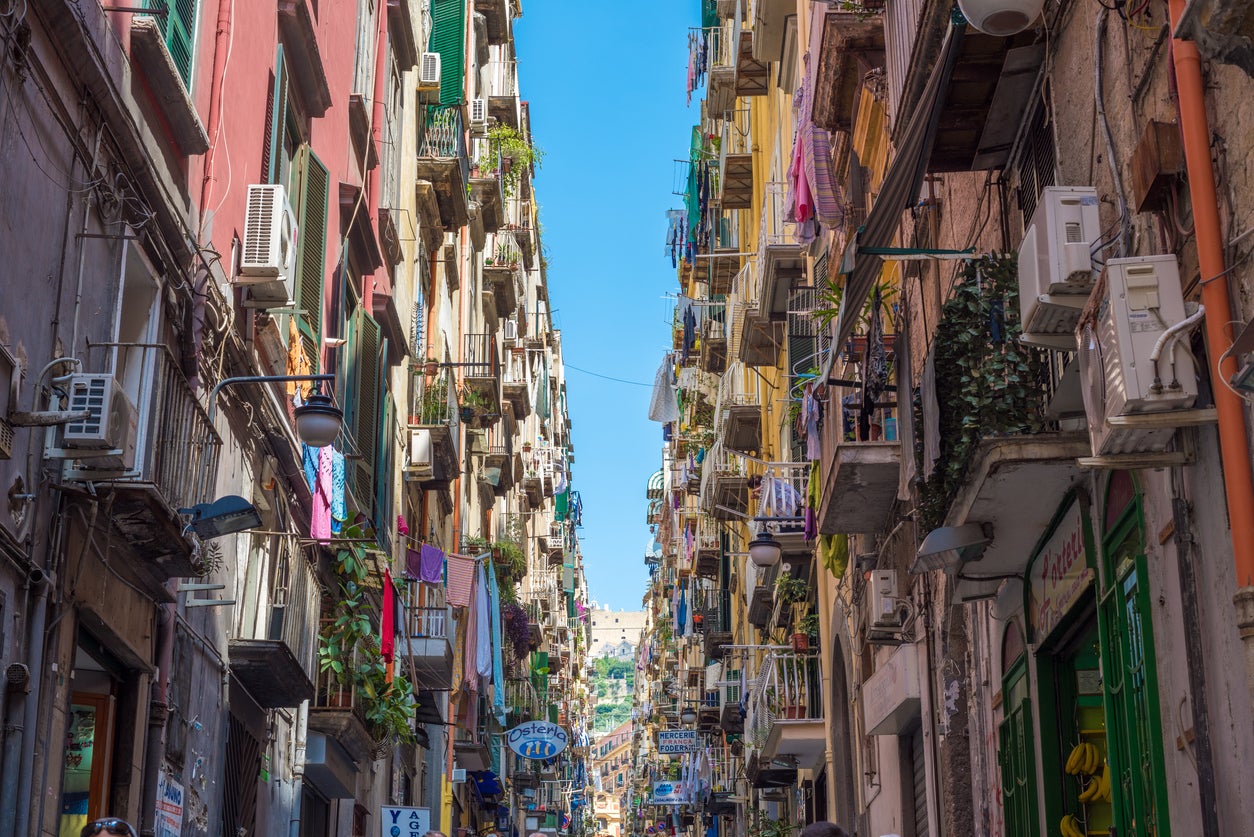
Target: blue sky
(608, 108)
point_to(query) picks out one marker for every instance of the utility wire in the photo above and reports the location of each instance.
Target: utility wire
(606, 377)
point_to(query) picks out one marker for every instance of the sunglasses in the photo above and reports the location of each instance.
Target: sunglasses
(111, 825)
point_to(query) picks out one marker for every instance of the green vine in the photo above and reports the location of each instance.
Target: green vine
(349, 648)
(987, 382)
(506, 143)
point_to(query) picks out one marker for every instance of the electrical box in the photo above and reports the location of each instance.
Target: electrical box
(884, 610)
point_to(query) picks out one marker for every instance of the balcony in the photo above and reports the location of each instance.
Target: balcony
(482, 369)
(443, 161)
(273, 656)
(497, 15)
(169, 462)
(712, 618)
(724, 484)
(514, 388)
(752, 76)
(336, 711)
(719, 264)
(785, 717)
(500, 458)
(779, 254)
(741, 422)
(425, 642)
(521, 701)
(501, 272)
(721, 45)
(780, 506)
(755, 338)
(770, 19)
(853, 45)
(503, 92)
(487, 190)
(735, 161)
(861, 476)
(707, 549)
(434, 459)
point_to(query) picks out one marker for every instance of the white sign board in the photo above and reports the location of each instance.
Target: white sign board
(668, 793)
(169, 807)
(891, 697)
(405, 822)
(676, 741)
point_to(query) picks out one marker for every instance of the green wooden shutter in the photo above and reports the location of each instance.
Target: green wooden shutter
(448, 37)
(180, 33)
(276, 121)
(366, 425)
(311, 243)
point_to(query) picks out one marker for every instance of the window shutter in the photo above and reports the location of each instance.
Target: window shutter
(180, 32)
(366, 426)
(311, 243)
(276, 120)
(448, 37)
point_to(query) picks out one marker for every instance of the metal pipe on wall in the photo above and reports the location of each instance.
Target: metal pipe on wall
(158, 714)
(17, 826)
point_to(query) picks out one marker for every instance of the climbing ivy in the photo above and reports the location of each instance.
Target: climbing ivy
(987, 382)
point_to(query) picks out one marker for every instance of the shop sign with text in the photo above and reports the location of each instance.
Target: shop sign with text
(537, 740)
(1060, 574)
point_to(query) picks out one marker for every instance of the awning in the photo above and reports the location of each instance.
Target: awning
(898, 191)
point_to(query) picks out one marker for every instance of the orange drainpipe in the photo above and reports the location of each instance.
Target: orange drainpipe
(375, 177)
(222, 37)
(1234, 444)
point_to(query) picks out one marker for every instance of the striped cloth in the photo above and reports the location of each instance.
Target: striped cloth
(460, 577)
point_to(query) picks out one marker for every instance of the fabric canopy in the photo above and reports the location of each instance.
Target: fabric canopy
(898, 191)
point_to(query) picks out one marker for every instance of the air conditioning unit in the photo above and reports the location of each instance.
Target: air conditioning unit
(478, 115)
(1117, 377)
(459, 774)
(269, 249)
(112, 423)
(420, 465)
(1056, 265)
(429, 78)
(511, 330)
(882, 599)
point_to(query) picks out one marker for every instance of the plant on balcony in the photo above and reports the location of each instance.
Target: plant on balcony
(515, 153)
(474, 401)
(516, 625)
(789, 589)
(987, 382)
(349, 649)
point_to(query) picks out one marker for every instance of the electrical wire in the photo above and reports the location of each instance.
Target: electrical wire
(606, 377)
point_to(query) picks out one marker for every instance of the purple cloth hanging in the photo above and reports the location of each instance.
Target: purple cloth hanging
(431, 564)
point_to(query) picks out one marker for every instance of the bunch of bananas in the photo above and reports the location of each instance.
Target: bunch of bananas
(1070, 827)
(1098, 790)
(1085, 758)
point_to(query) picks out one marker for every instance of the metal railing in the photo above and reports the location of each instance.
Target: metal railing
(333, 695)
(427, 622)
(432, 400)
(443, 136)
(775, 229)
(176, 447)
(289, 614)
(786, 689)
(714, 606)
(737, 138)
(720, 44)
(480, 360)
(783, 490)
(502, 78)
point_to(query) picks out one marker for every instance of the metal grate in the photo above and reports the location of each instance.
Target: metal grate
(239, 790)
(1035, 158)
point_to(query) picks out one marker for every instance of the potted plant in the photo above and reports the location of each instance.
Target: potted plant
(789, 589)
(806, 634)
(431, 367)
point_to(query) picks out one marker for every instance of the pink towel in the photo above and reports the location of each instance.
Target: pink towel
(461, 574)
(320, 514)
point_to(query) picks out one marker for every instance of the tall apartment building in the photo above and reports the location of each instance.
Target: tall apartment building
(955, 500)
(235, 605)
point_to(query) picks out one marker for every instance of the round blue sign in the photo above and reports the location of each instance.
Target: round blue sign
(537, 740)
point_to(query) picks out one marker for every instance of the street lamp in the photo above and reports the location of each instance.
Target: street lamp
(688, 715)
(764, 550)
(318, 421)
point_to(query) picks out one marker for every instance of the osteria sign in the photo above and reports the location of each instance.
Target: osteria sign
(1060, 574)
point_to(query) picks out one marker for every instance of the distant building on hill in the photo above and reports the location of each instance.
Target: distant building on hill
(615, 633)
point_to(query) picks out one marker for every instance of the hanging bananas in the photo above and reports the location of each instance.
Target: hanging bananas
(1085, 759)
(1070, 827)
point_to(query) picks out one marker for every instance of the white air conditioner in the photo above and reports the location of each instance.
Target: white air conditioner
(1056, 265)
(113, 423)
(882, 599)
(478, 114)
(459, 774)
(429, 77)
(1117, 376)
(420, 464)
(268, 255)
(511, 330)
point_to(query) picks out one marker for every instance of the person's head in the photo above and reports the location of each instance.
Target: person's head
(824, 829)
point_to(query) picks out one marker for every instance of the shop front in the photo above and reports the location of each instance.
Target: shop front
(1087, 663)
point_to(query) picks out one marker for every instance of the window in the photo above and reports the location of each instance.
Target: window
(1015, 753)
(448, 38)
(179, 26)
(1034, 160)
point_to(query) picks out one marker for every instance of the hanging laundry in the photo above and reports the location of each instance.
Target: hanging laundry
(664, 405)
(297, 362)
(812, 416)
(483, 626)
(413, 564)
(814, 498)
(387, 620)
(309, 461)
(461, 576)
(498, 663)
(402, 527)
(470, 674)
(339, 503)
(431, 564)
(320, 514)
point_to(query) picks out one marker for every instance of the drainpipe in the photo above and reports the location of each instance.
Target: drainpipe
(221, 46)
(1234, 444)
(39, 582)
(298, 768)
(376, 137)
(158, 712)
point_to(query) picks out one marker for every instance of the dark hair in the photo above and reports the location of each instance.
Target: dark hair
(824, 829)
(754, 482)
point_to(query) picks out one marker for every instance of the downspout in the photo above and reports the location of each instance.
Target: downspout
(18, 826)
(376, 137)
(221, 46)
(158, 712)
(18, 725)
(298, 768)
(1234, 444)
